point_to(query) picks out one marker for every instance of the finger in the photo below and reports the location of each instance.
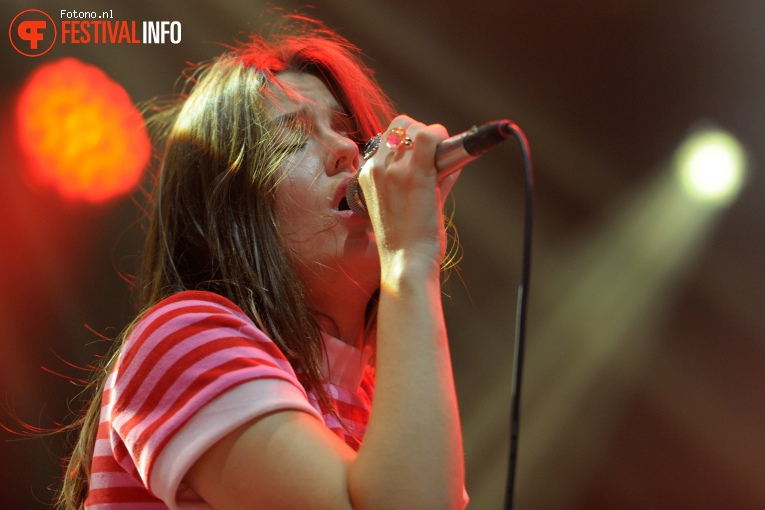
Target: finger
(445, 184)
(425, 141)
(398, 139)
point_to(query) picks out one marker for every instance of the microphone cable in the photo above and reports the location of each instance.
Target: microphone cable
(521, 312)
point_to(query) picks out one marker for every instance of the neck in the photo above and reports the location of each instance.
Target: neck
(342, 316)
(339, 298)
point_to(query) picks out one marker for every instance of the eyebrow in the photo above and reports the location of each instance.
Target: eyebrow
(332, 106)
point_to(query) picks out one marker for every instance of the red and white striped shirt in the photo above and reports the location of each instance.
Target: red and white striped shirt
(193, 370)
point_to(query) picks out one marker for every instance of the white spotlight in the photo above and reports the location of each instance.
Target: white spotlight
(711, 166)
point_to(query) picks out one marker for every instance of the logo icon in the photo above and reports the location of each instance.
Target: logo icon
(32, 33)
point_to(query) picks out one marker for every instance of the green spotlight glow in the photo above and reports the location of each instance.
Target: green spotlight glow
(711, 166)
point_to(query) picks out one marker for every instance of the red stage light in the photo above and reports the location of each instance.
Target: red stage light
(81, 132)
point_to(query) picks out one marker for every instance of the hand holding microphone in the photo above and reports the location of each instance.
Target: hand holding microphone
(451, 154)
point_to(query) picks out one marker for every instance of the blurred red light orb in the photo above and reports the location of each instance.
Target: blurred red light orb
(80, 131)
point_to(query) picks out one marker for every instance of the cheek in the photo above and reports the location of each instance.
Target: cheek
(298, 190)
(294, 199)
(306, 231)
(289, 194)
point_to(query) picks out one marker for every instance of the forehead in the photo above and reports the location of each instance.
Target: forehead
(299, 91)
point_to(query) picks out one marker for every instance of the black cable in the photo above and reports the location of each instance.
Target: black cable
(520, 321)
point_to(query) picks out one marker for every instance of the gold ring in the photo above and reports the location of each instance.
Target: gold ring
(396, 138)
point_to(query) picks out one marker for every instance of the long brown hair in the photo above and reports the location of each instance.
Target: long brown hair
(212, 223)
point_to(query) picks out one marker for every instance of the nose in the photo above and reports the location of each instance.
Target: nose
(343, 154)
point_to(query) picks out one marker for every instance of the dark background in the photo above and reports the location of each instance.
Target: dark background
(644, 380)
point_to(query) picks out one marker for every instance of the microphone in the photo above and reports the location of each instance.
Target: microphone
(451, 155)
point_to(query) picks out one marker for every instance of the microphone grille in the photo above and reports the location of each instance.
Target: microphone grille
(355, 197)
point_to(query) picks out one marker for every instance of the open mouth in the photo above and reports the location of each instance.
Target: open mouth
(343, 205)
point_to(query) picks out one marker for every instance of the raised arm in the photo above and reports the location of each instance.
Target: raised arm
(411, 456)
(413, 443)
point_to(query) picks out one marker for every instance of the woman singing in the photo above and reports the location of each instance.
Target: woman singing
(271, 312)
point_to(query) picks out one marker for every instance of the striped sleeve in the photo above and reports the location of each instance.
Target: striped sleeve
(188, 351)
